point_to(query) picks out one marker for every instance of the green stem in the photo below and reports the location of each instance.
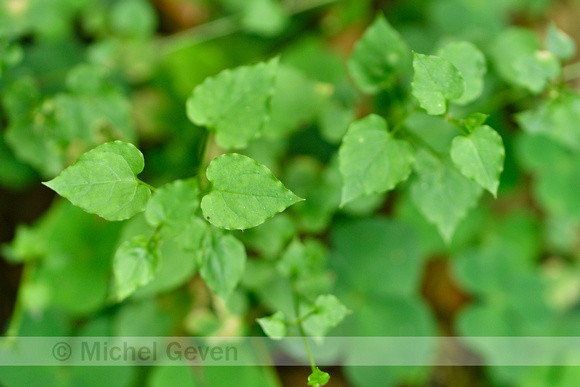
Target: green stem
(457, 124)
(146, 185)
(302, 333)
(404, 117)
(18, 313)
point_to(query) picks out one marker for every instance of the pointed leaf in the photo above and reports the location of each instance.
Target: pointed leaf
(274, 326)
(559, 43)
(480, 157)
(435, 82)
(371, 160)
(378, 57)
(442, 194)
(103, 181)
(224, 259)
(244, 193)
(134, 265)
(235, 103)
(470, 62)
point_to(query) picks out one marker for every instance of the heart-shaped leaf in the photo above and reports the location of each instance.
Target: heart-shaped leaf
(244, 193)
(104, 181)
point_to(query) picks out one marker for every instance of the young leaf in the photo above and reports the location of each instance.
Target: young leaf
(244, 193)
(235, 103)
(103, 181)
(442, 194)
(371, 160)
(174, 205)
(471, 64)
(274, 326)
(378, 57)
(559, 43)
(474, 120)
(223, 263)
(318, 378)
(480, 157)
(329, 311)
(134, 265)
(435, 82)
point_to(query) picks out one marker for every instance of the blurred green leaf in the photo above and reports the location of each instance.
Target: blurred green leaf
(379, 56)
(470, 62)
(442, 194)
(236, 117)
(134, 265)
(559, 43)
(274, 326)
(371, 160)
(223, 261)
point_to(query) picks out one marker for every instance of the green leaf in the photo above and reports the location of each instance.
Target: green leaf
(296, 101)
(480, 157)
(244, 193)
(535, 70)
(318, 378)
(470, 62)
(559, 43)
(103, 181)
(134, 265)
(384, 266)
(264, 17)
(517, 58)
(435, 82)
(224, 259)
(371, 160)
(379, 56)
(274, 326)
(474, 120)
(174, 205)
(557, 118)
(329, 311)
(442, 194)
(235, 103)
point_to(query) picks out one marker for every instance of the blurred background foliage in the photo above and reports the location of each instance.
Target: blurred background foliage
(77, 73)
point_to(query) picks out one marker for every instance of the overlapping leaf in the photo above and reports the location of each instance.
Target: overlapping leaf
(470, 62)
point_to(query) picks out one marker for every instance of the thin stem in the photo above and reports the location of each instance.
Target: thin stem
(18, 313)
(147, 185)
(406, 115)
(457, 124)
(302, 333)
